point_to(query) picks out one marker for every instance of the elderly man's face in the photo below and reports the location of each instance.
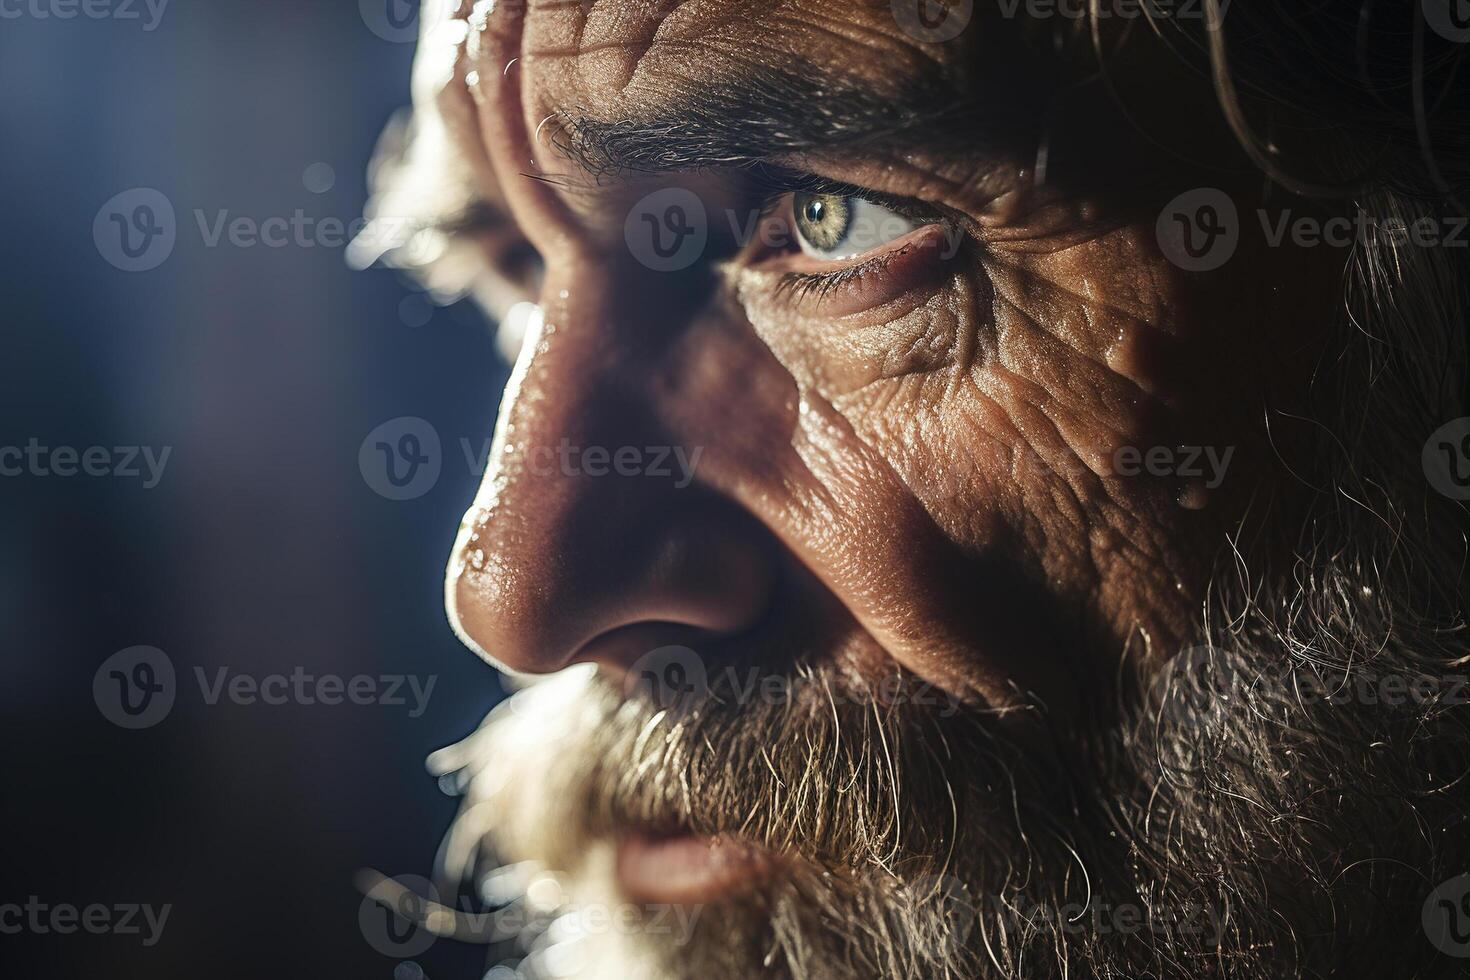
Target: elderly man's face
(929, 400)
(872, 440)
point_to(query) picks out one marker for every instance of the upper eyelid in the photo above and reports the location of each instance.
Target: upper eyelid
(776, 180)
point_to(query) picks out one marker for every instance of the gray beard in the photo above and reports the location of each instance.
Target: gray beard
(1259, 811)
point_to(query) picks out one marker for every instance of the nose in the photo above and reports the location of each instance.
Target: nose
(593, 537)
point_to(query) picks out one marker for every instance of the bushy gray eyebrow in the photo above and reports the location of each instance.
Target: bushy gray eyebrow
(773, 113)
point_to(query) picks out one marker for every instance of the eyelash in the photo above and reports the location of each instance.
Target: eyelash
(802, 285)
(776, 185)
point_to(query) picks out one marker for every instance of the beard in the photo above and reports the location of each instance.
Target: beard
(1272, 802)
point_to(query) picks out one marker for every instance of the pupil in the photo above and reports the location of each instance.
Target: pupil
(814, 211)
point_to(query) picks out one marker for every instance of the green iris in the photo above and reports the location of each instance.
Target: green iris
(822, 219)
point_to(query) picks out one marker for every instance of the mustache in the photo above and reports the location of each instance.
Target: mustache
(848, 776)
(879, 802)
(845, 775)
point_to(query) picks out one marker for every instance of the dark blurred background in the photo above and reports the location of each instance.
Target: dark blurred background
(263, 548)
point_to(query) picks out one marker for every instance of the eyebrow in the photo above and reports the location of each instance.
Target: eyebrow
(770, 113)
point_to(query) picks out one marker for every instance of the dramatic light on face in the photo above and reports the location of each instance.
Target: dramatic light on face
(899, 670)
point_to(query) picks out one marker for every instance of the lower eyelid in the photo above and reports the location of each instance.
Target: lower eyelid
(911, 263)
(921, 235)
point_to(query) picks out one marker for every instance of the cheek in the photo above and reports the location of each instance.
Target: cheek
(840, 348)
(1002, 400)
(1006, 355)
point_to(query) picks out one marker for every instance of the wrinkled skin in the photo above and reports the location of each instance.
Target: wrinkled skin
(932, 443)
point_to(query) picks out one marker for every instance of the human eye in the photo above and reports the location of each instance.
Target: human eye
(845, 247)
(838, 227)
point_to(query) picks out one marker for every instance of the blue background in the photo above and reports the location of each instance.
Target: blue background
(263, 548)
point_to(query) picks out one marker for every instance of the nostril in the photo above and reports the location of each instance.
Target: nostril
(618, 653)
(698, 590)
(706, 573)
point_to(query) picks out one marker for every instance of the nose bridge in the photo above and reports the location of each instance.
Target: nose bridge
(593, 531)
(530, 526)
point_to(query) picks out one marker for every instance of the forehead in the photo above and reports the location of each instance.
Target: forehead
(630, 57)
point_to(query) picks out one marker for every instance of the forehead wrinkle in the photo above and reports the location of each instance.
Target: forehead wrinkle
(599, 44)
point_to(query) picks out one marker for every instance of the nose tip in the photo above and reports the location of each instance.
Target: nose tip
(490, 610)
(538, 602)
